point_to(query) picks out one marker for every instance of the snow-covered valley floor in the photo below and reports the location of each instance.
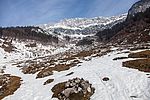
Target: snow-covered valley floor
(123, 83)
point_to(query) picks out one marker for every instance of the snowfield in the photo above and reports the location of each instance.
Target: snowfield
(123, 83)
(22, 52)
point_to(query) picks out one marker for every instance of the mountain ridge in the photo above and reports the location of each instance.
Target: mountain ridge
(83, 26)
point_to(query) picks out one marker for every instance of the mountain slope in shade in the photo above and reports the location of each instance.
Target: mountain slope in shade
(135, 29)
(139, 6)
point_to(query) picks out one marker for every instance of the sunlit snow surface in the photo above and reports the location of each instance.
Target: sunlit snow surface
(124, 83)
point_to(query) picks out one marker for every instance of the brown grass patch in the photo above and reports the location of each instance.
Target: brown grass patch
(9, 85)
(142, 54)
(7, 46)
(84, 53)
(48, 81)
(58, 88)
(32, 69)
(59, 62)
(140, 64)
(49, 71)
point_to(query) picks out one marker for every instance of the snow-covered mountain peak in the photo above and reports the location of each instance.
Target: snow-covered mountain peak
(80, 23)
(82, 26)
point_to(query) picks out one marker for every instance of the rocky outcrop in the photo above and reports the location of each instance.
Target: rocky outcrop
(75, 89)
(138, 7)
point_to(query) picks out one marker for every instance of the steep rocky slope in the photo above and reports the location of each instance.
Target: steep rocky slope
(135, 29)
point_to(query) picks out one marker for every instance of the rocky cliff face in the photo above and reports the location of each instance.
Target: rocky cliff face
(135, 29)
(138, 7)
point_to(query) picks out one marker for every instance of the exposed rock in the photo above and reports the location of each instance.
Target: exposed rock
(75, 89)
(139, 6)
(134, 30)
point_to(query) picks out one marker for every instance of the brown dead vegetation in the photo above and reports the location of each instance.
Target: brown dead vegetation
(49, 71)
(7, 46)
(9, 85)
(142, 54)
(140, 64)
(86, 53)
(58, 88)
(60, 62)
(32, 69)
(48, 81)
(46, 68)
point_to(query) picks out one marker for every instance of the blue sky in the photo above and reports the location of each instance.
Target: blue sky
(32, 12)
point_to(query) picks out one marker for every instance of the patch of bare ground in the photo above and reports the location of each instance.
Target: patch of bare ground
(75, 89)
(46, 68)
(140, 64)
(9, 84)
(34, 67)
(48, 81)
(73, 58)
(60, 62)
(49, 71)
(7, 46)
(142, 54)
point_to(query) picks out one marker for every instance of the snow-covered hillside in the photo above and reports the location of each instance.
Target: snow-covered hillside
(85, 26)
(17, 50)
(67, 61)
(123, 83)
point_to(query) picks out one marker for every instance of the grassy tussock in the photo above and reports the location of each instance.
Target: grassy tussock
(140, 64)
